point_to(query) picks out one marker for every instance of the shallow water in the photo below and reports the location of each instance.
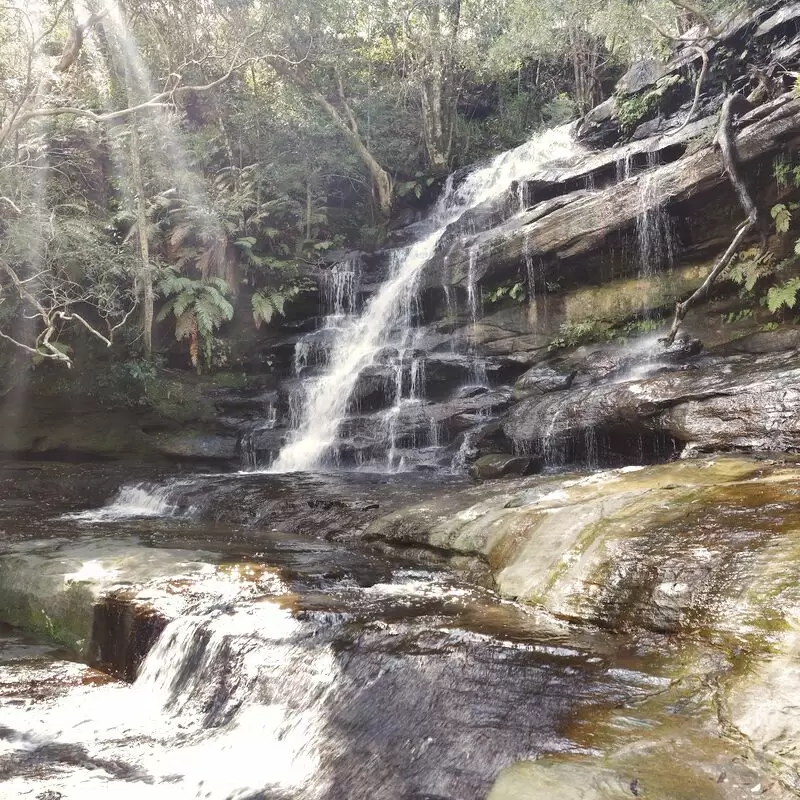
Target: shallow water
(279, 664)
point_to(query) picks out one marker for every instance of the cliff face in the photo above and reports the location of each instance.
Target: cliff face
(604, 245)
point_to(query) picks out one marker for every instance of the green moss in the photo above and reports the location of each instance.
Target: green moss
(631, 110)
(66, 619)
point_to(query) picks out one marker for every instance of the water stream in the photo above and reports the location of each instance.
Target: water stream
(281, 665)
(392, 314)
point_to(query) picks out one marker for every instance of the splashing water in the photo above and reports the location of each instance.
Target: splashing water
(392, 313)
(138, 500)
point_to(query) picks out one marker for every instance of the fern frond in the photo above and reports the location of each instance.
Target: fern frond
(263, 308)
(784, 294)
(182, 302)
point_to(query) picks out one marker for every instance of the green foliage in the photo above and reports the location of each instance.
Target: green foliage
(737, 316)
(199, 308)
(751, 266)
(782, 216)
(417, 187)
(786, 172)
(267, 303)
(126, 383)
(783, 295)
(510, 289)
(637, 327)
(575, 334)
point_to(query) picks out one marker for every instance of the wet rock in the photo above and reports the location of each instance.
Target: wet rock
(668, 548)
(709, 404)
(198, 445)
(499, 465)
(123, 632)
(264, 440)
(374, 389)
(543, 380)
(605, 361)
(386, 355)
(469, 392)
(445, 372)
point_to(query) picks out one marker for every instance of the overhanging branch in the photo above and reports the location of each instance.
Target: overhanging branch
(727, 148)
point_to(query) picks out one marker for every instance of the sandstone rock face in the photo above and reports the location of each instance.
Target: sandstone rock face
(705, 550)
(711, 404)
(582, 222)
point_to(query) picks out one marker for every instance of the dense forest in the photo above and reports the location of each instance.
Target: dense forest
(166, 165)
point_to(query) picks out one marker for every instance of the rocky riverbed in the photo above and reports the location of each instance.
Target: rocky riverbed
(636, 635)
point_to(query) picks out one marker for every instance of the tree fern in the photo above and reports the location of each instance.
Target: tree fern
(268, 302)
(199, 307)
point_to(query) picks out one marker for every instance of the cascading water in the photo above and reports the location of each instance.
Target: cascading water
(390, 317)
(137, 500)
(653, 227)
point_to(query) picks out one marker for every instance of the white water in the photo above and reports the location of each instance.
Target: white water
(392, 311)
(138, 500)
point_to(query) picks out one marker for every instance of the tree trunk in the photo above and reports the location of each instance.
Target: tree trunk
(38, 91)
(145, 276)
(437, 94)
(435, 129)
(381, 180)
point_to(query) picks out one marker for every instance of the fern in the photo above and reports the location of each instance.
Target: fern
(751, 265)
(200, 307)
(265, 305)
(783, 294)
(782, 216)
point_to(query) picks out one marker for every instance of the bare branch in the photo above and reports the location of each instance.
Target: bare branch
(68, 317)
(700, 78)
(55, 353)
(11, 203)
(728, 150)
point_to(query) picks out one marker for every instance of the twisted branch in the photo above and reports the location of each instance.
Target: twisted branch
(727, 148)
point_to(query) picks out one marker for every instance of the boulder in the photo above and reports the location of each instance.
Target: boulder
(374, 389)
(543, 380)
(498, 465)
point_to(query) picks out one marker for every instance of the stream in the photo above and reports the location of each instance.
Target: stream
(280, 664)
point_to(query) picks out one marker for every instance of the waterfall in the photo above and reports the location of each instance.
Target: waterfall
(653, 227)
(473, 286)
(391, 315)
(624, 167)
(136, 500)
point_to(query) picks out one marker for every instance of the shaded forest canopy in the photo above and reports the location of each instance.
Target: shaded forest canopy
(165, 163)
